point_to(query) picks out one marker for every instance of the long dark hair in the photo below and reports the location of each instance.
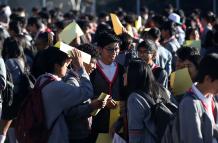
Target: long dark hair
(140, 78)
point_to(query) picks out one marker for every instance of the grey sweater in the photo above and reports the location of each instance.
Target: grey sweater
(195, 125)
(59, 96)
(78, 118)
(141, 127)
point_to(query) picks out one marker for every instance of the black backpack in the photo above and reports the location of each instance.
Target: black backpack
(7, 93)
(162, 113)
(26, 83)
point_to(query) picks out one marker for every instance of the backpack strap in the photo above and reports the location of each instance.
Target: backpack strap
(149, 99)
(46, 82)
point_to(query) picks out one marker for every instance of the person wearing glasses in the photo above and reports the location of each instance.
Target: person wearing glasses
(107, 78)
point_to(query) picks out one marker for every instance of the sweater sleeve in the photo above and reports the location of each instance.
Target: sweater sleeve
(59, 96)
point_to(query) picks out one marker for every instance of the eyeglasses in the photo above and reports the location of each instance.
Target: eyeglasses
(112, 49)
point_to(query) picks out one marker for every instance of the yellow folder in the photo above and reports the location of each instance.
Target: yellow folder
(70, 32)
(180, 81)
(138, 23)
(117, 26)
(193, 43)
(103, 96)
(68, 50)
(104, 138)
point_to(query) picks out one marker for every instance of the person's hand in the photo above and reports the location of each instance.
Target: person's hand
(111, 104)
(97, 104)
(77, 60)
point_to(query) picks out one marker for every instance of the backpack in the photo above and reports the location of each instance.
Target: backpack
(172, 132)
(30, 124)
(26, 82)
(162, 113)
(7, 93)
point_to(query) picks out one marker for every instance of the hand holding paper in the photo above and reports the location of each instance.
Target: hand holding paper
(68, 50)
(103, 96)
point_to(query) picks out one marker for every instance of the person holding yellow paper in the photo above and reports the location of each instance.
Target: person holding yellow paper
(197, 111)
(188, 57)
(107, 78)
(79, 118)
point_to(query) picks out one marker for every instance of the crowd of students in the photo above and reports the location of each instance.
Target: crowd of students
(129, 67)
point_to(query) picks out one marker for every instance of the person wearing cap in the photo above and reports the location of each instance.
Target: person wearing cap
(147, 51)
(164, 57)
(107, 78)
(179, 31)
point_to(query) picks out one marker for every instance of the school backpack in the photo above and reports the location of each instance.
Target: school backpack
(7, 93)
(172, 132)
(30, 124)
(26, 82)
(162, 113)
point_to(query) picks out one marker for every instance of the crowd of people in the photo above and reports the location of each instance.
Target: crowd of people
(130, 67)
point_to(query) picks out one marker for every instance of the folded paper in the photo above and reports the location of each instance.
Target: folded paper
(70, 32)
(193, 43)
(180, 81)
(68, 50)
(104, 138)
(114, 114)
(117, 26)
(103, 96)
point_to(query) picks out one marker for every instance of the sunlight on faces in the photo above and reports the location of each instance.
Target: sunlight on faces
(91, 66)
(191, 68)
(109, 52)
(146, 55)
(61, 71)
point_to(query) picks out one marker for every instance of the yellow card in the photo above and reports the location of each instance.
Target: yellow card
(103, 96)
(104, 138)
(114, 114)
(117, 26)
(193, 43)
(182, 81)
(68, 50)
(129, 30)
(70, 32)
(138, 23)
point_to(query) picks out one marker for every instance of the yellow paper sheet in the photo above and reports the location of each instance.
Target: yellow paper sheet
(68, 50)
(182, 81)
(129, 30)
(104, 138)
(193, 43)
(70, 32)
(117, 26)
(114, 114)
(103, 96)
(138, 23)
